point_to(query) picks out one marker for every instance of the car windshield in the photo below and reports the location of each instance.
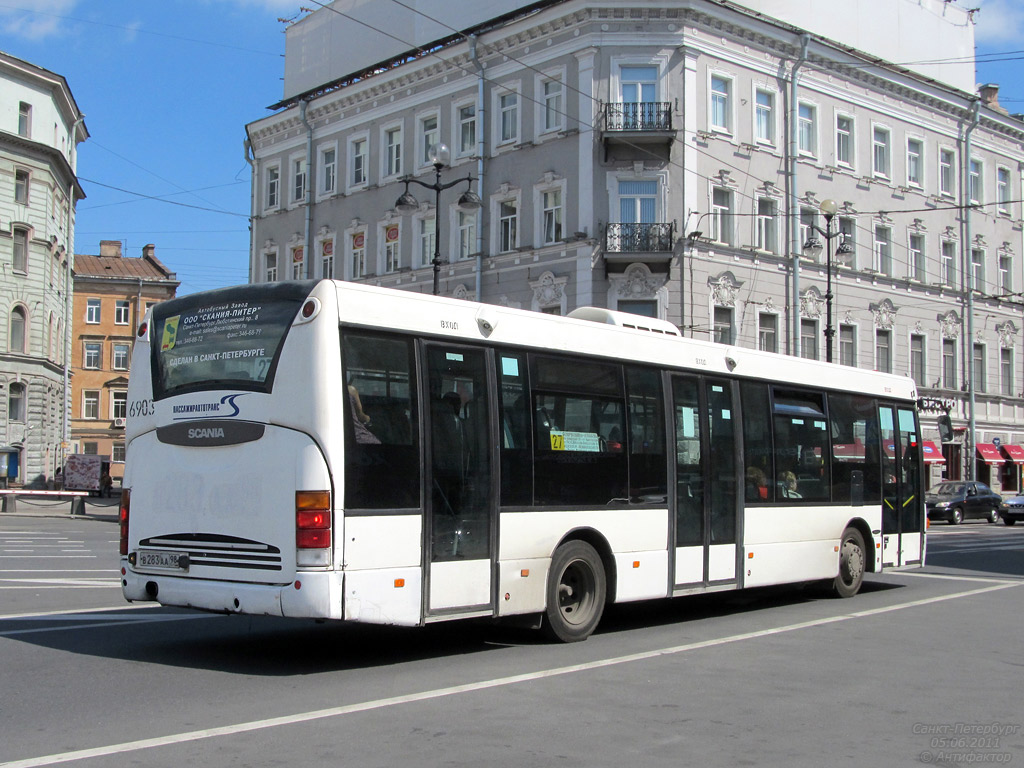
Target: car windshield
(946, 489)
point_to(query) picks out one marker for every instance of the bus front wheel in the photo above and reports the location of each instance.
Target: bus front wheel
(576, 592)
(852, 564)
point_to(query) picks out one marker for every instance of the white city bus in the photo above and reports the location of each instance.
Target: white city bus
(339, 451)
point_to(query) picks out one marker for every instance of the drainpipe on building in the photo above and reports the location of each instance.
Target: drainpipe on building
(793, 209)
(481, 147)
(306, 252)
(250, 158)
(967, 258)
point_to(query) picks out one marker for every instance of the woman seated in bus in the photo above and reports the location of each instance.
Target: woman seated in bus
(360, 419)
(756, 484)
(787, 485)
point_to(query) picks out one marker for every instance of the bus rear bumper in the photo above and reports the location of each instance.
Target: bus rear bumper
(316, 595)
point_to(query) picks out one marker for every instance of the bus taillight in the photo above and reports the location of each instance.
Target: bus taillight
(313, 526)
(122, 516)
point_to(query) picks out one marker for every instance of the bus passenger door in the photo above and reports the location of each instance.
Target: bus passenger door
(460, 501)
(902, 500)
(706, 488)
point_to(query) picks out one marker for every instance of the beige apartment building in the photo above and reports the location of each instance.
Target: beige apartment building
(111, 294)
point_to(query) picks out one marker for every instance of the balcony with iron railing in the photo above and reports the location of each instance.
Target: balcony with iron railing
(639, 242)
(643, 125)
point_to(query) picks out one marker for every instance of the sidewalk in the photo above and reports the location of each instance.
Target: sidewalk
(96, 508)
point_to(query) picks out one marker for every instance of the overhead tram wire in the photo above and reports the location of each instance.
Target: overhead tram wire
(163, 199)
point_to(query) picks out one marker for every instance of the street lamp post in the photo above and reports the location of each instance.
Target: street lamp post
(828, 209)
(439, 156)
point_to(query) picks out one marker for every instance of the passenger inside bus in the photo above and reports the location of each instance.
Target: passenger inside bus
(787, 485)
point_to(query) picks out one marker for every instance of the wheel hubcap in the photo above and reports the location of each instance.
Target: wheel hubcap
(853, 562)
(576, 592)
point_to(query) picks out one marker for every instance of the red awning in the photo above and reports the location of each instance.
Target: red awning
(989, 453)
(932, 453)
(1014, 452)
(848, 451)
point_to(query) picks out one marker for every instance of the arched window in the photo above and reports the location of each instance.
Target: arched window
(16, 402)
(19, 322)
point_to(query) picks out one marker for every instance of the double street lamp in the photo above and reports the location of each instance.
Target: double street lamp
(440, 157)
(813, 247)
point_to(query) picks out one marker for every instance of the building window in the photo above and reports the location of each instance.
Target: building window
(881, 152)
(917, 370)
(723, 331)
(327, 259)
(917, 266)
(358, 161)
(844, 140)
(390, 244)
(553, 114)
(975, 181)
(638, 201)
(847, 345)
(92, 310)
(425, 238)
(90, 404)
(118, 405)
(978, 269)
(117, 453)
(358, 255)
(551, 202)
(949, 263)
(809, 338)
(721, 103)
(25, 120)
(508, 117)
(298, 263)
(328, 170)
(915, 162)
(121, 356)
(980, 379)
(270, 259)
(90, 448)
(298, 180)
(93, 355)
(767, 225)
(18, 326)
(883, 351)
(768, 332)
(273, 186)
(1003, 192)
(21, 181)
(19, 259)
(122, 312)
(467, 129)
(808, 220)
(429, 135)
(16, 397)
(721, 215)
(1006, 371)
(638, 84)
(949, 364)
(947, 172)
(848, 230)
(883, 250)
(764, 116)
(393, 152)
(508, 221)
(1006, 274)
(467, 234)
(807, 130)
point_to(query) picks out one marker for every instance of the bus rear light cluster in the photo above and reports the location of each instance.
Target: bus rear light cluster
(122, 517)
(313, 527)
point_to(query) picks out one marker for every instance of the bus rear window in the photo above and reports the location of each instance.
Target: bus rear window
(227, 339)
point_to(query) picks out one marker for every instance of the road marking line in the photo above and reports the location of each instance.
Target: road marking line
(455, 690)
(955, 577)
(67, 614)
(113, 623)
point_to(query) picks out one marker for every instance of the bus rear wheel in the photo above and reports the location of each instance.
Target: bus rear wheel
(576, 591)
(852, 564)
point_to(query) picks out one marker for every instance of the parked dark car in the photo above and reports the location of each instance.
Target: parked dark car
(1012, 509)
(958, 500)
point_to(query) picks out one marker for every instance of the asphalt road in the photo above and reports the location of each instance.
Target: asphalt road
(923, 667)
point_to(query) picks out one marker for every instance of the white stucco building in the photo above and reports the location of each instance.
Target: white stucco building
(603, 137)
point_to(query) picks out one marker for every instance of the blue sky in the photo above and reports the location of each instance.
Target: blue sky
(168, 87)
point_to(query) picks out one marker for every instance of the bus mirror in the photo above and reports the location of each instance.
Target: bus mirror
(945, 428)
(487, 321)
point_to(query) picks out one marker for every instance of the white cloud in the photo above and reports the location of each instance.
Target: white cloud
(45, 18)
(999, 22)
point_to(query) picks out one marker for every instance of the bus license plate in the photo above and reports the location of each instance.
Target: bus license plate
(157, 559)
